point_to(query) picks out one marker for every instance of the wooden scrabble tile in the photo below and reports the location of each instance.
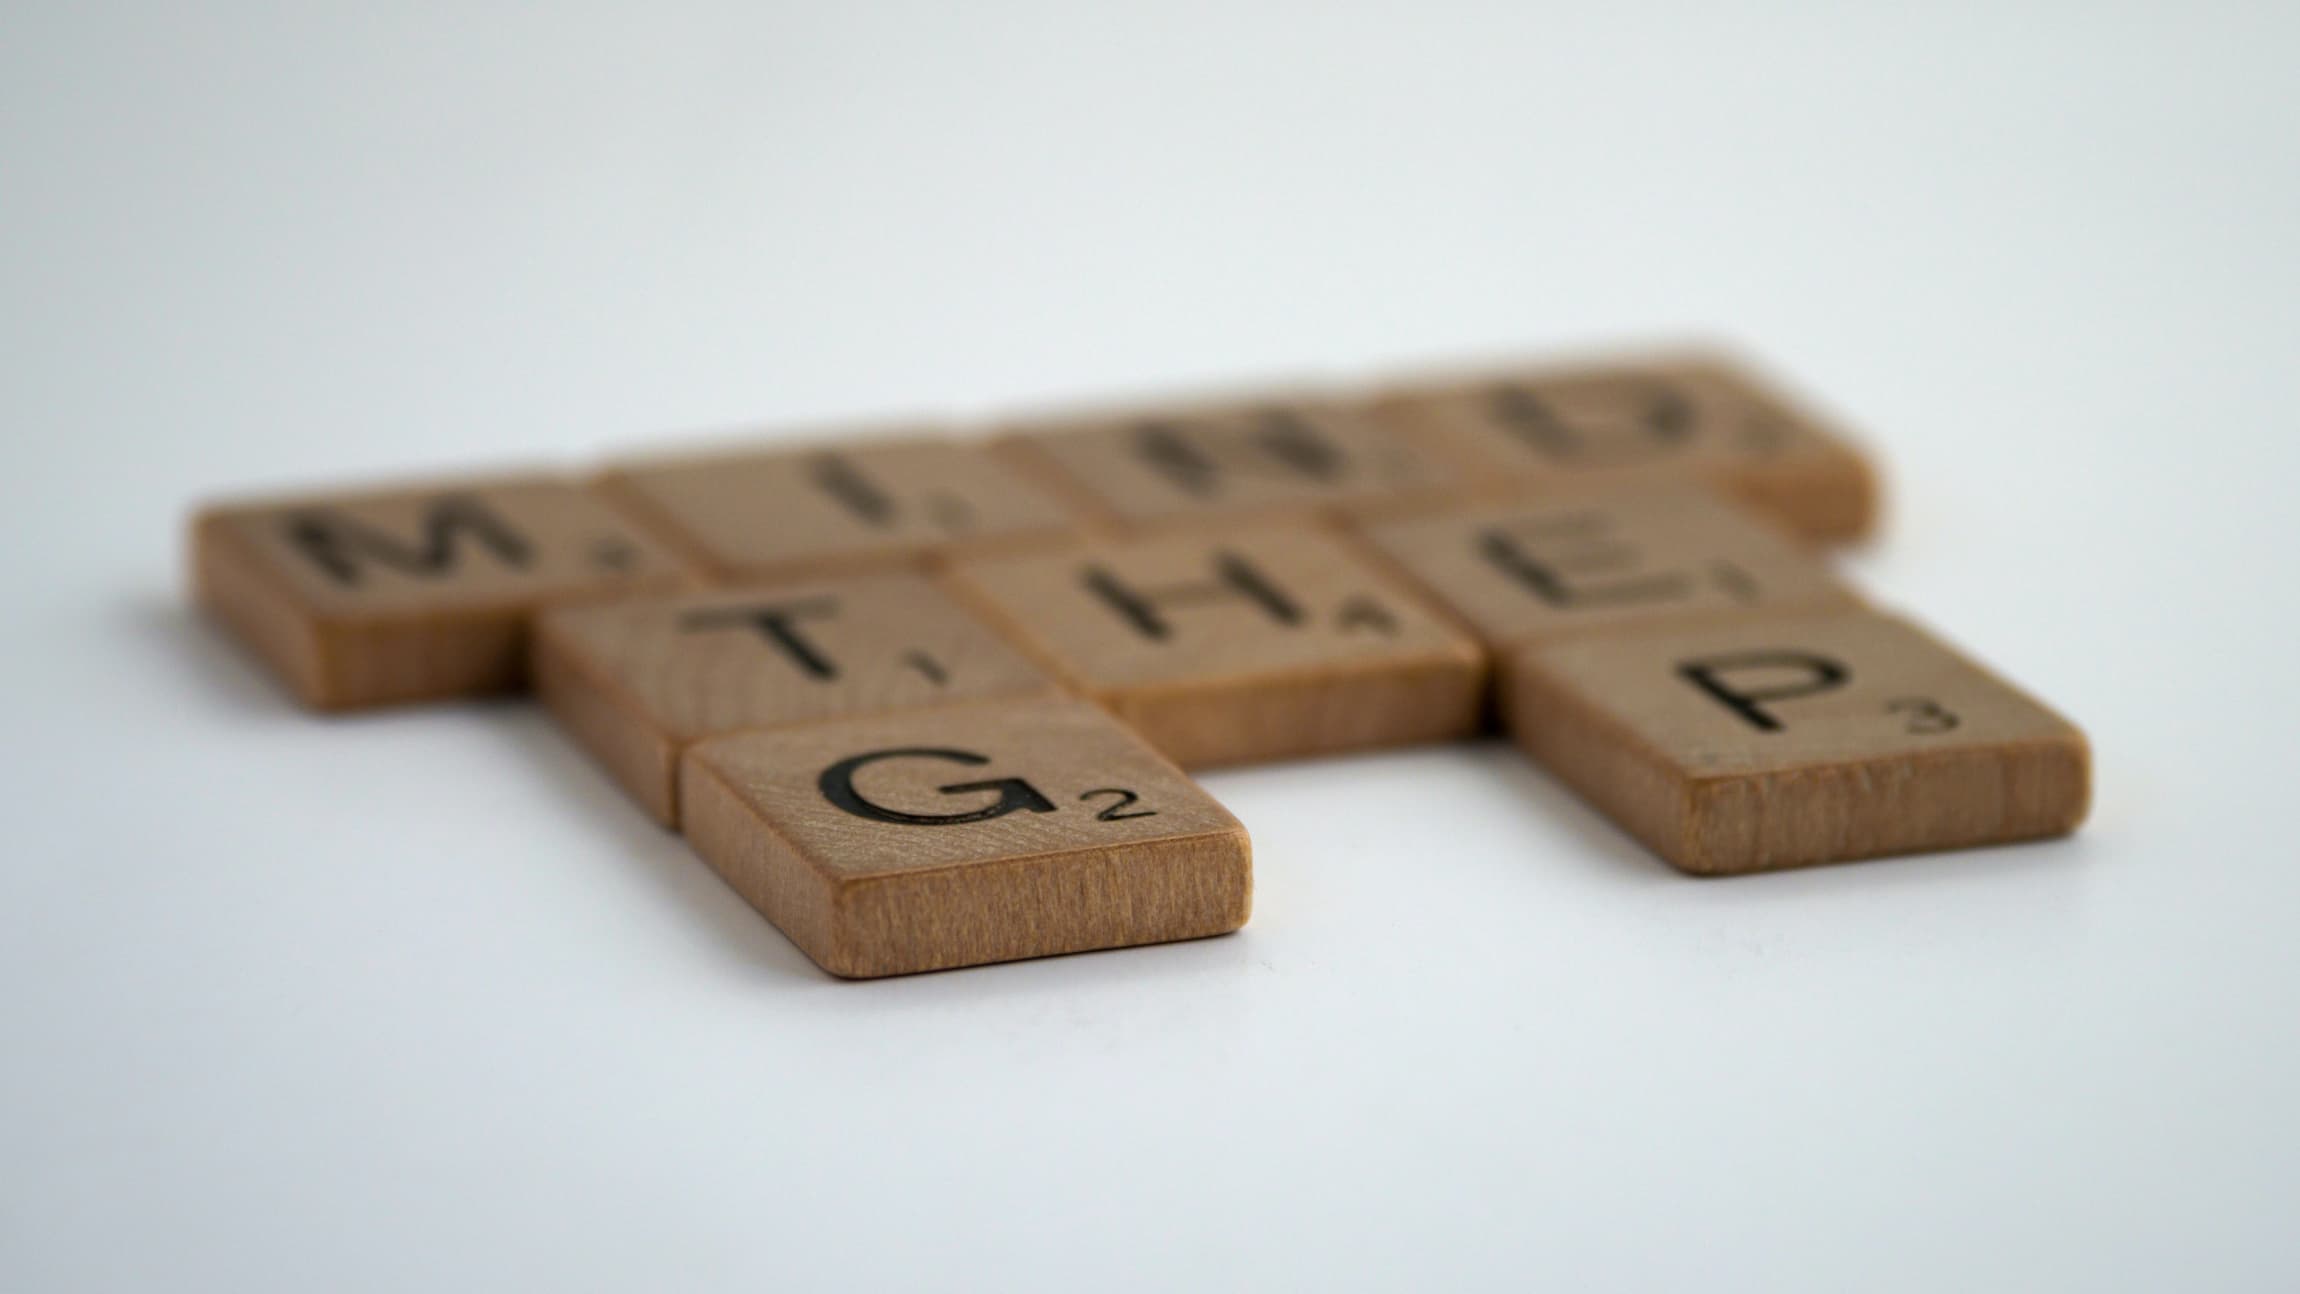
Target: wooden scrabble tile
(1604, 558)
(1170, 467)
(637, 682)
(1749, 745)
(413, 593)
(1240, 646)
(953, 837)
(873, 504)
(1688, 415)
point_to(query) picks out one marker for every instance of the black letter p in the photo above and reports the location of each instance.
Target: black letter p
(1810, 675)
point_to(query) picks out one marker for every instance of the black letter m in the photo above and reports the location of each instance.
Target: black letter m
(340, 545)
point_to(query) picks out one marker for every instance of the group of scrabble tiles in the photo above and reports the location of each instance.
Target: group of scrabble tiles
(924, 700)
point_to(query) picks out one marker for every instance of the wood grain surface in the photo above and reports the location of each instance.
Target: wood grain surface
(1687, 415)
(1154, 468)
(953, 837)
(417, 593)
(637, 682)
(1604, 558)
(1244, 645)
(1752, 745)
(868, 504)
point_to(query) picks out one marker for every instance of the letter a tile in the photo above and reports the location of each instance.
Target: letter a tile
(978, 833)
(638, 681)
(1254, 645)
(1760, 744)
(413, 594)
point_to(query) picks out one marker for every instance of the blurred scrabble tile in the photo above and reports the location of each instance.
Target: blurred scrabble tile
(971, 834)
(1749, 745)
(1604, 558)
(1174, 467)
(1688, 415)
(1240, 646)
(873, 504)
(637, 682)
(413, 593)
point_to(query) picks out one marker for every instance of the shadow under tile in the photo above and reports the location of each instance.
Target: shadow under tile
(660, 856)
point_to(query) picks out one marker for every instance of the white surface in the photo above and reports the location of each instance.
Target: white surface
(416, 1002)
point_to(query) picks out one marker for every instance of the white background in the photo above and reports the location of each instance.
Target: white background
(416, 1002)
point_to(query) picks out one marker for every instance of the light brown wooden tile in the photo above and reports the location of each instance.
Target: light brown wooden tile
(1687, 415)
(1240, 646)
(839, 508)
(954, 837)
(1164, 468)
(413, 593)
(1604, 558)
(1752, 745)
(637, 682)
